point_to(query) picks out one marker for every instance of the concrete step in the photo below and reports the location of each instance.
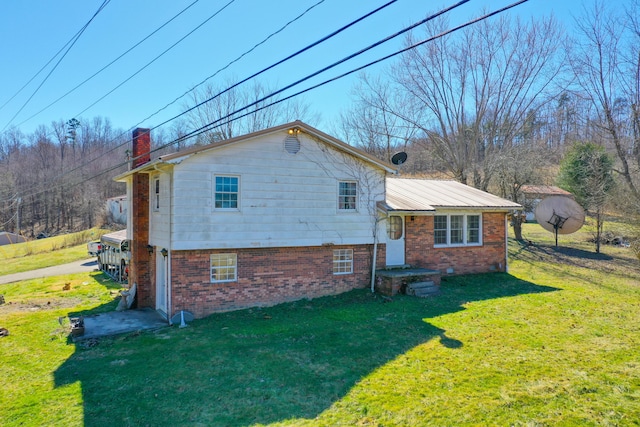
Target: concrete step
(423, 289)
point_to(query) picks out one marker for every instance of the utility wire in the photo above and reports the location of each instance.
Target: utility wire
(322, 70)
(156, 58)
(110, 63)
(282, 61)
(230, 119)
(75, 36)
(334, 33)
(102, 6)
(249, 51)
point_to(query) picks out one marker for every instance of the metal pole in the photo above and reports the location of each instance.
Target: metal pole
(18, 215)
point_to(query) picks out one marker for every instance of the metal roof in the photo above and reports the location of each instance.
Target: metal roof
(407, 194)
(114, 238)
(545, 190)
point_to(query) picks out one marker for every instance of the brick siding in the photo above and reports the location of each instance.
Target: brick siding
(141, 262)
(491, 256)
(264, 277)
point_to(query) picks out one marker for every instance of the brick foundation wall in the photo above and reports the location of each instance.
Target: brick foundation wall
(265, 277)
(491, 256)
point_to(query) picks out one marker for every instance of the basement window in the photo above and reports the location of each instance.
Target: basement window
(343, 261)
(224, 268)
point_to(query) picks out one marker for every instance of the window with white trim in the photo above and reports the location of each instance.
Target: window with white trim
(457, 230)
(226, 192)
(224, 267)
(343, 261)
(347, 195)
(156, 194)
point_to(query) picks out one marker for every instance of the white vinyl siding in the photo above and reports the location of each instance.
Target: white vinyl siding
(283, 200)
(457, 230)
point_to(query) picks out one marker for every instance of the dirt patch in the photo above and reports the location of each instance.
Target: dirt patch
(38, 305)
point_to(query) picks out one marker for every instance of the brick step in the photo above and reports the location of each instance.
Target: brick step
(423, 289)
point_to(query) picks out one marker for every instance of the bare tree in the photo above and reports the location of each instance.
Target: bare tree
(225, 108)
(471, 94)
(515, 167)
(376, 123)
(606, 64)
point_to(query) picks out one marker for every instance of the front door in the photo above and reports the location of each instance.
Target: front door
(395, 240)
(161, 283)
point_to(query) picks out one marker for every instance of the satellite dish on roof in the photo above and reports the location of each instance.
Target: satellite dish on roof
(559, 215)
(399, 158)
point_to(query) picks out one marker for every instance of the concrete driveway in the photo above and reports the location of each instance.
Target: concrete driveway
(81, 266)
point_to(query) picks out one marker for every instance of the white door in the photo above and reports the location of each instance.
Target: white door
(161, 283)
(395, 240)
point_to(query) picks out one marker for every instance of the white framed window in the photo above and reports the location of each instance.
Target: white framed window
(156, 195)
(457, 230)
(343, 261)
(226, 192)
(224, 268)
(347, 195)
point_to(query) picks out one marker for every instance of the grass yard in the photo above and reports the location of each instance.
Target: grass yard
(47, 252)
(555, 342)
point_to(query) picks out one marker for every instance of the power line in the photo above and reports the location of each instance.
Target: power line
(230, 119)
(102, 6)
(110, 63)
(210, 126)
(247, 52)
(76, 35)
(157, 57)
(322, 70)
(289, 57)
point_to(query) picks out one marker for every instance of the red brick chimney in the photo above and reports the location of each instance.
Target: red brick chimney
(141, 260)
(141, 147)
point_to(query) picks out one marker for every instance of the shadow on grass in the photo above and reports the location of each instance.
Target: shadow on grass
(291, 361)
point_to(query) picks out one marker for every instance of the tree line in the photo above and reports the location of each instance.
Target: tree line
(495, 105)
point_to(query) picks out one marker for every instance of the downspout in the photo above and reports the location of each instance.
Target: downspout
(375, 255)
(168, 275)
(506, 243)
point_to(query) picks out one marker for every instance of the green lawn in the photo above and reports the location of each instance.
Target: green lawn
(47, 252)
(554, 342)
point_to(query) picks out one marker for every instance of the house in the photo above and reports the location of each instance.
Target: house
(7, 238)
(117, 209)
(533, 194)
(288, 213)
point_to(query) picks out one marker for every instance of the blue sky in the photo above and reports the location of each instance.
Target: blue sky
(32, 31)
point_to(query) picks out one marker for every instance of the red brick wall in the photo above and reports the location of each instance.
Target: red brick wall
(491, 256)
(141, 261)
(266, 277)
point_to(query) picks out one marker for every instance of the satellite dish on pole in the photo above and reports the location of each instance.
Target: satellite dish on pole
(559, 215)
(399, 158)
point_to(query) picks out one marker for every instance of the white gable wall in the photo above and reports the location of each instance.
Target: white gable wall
(285, 199)
(159, 219)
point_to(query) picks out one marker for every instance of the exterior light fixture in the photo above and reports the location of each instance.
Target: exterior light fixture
(164, 252)
(150, 249)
